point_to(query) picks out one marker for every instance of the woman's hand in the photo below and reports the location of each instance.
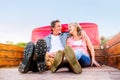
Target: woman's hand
(96, 63)
(51, 54)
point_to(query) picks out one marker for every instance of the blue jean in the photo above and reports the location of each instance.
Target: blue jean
(83, 59)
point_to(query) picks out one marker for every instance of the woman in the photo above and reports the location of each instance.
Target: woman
(80, 43)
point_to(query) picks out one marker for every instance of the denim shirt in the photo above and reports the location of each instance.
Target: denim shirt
(63, 37)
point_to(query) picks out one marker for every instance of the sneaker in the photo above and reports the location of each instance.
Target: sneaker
(40, 52)
(27, 58)
(57, 61)
(73, 62)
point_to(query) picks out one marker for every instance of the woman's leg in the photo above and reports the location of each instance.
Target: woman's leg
(83, 59)
(58, 59)
(71, 59)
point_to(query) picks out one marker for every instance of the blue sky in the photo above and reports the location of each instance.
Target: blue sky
(19, 17)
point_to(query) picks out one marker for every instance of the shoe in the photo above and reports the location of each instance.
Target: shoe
(67, 65)
(73, 62)
(27, 58)
(40, 52)
(33, 66)
(57, 61)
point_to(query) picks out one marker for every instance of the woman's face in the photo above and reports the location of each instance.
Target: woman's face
(72, 29)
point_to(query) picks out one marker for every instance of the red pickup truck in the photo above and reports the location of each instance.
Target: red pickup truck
(90, 28)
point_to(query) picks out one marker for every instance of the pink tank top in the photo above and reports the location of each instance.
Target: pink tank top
(78, 45)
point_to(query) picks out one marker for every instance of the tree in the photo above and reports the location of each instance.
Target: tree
(104, 40)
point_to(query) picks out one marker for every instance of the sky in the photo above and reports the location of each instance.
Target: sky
(19, 17)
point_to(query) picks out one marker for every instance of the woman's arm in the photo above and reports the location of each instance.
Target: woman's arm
(67, 42)
(51, 54)
(89, 44)
(90, 47)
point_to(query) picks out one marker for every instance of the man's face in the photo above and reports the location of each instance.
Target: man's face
(57, 28)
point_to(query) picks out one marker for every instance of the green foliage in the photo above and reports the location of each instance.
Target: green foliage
(21, 44)
(104, 40)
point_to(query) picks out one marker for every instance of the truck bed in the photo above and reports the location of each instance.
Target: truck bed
(90, 73)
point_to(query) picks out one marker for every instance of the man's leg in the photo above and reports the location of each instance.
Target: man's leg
(27, 58)
(49, 61)
(40, 52)
(71, 58)
(33, 66)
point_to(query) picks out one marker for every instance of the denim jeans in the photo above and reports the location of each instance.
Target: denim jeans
(83, 59)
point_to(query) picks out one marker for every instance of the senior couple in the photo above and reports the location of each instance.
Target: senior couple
(59, 50)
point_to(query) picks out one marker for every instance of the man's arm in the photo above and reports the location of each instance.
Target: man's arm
(50, 54)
